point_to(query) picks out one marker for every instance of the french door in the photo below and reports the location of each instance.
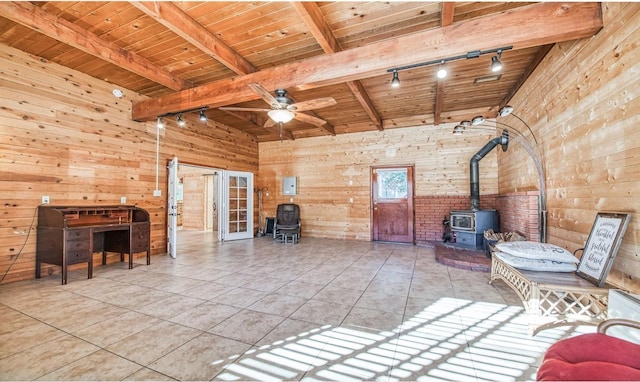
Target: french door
(392, 199)
(236, 189)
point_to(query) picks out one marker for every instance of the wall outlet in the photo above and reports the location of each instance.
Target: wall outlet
(123, 200)
(290, 200)
(157, 193)
(45, 200)
(350, 200)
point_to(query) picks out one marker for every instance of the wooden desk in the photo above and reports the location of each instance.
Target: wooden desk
(72, 234)
(552, 298)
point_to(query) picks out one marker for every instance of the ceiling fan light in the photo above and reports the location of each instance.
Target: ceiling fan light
(281, 115)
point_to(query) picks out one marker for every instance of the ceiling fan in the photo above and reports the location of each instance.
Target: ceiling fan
(284, 109)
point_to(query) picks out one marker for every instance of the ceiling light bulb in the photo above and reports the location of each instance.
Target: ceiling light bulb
(395, 82)
(159, 123)
(506, 110)
(203, 116)
(496, 65)
(281, 115)
(181, 122)
(442, 72)
(477, 120)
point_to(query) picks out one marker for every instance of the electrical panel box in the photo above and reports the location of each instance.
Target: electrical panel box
(289, 185)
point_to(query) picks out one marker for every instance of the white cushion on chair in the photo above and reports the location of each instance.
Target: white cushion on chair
(535, 264)
(537, 251)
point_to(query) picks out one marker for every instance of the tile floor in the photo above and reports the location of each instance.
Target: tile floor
(262, 310)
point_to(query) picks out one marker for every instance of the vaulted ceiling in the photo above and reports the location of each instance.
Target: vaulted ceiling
(186, 56)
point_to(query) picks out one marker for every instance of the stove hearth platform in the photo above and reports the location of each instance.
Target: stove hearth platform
(461, 257)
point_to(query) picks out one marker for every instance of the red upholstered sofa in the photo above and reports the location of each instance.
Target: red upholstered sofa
(593, 357)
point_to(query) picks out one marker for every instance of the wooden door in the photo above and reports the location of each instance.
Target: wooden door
(392, 199)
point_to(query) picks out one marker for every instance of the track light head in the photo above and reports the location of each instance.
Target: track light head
(395, 81)
(496, 65)
(203, 116)
(160, 123)
(458, 130)
(181, 122)
(442, 72)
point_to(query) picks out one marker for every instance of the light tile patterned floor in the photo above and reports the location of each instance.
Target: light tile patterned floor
(262, 310)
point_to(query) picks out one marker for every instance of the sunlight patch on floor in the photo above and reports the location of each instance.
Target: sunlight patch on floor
(452, 339)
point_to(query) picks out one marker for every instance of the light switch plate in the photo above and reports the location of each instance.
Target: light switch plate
(123, 200)
(45, 200)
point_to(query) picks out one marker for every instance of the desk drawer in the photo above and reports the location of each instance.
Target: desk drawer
(78, 256)
(78, 234)
(78, 245)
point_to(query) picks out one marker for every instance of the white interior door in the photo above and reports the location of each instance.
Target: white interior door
(237, 205)
(172, 209)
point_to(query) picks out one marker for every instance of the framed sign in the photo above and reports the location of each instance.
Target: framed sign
(602, 246)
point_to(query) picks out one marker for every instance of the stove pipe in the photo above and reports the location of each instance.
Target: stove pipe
(474, 172)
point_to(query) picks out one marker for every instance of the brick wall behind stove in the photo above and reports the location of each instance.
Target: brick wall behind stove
(518, 212)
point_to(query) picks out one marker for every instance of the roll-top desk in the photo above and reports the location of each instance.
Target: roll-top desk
(70, 235)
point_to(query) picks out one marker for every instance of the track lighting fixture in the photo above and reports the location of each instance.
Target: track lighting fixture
(181, 122)
(458, 130)
(203, 116)
(395, 82)
(442, 72)
(160, 123)
(496, 65)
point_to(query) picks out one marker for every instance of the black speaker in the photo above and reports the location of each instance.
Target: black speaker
(268, 225)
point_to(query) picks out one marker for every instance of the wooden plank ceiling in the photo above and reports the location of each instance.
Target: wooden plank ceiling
(190, 55)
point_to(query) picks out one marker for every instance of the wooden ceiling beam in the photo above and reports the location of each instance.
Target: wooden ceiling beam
(446, 19)
(314, 19)
(180, 23)
(31, 16)
(523, 27)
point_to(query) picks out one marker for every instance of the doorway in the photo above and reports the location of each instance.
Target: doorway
(198, 200)
(216, 202)
(392, 204)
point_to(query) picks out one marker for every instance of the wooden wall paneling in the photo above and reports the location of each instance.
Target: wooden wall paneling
(581, 103)
(331, 170)
(63, 134)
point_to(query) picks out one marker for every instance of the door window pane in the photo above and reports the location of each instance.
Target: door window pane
(238, 204)
(392, 183)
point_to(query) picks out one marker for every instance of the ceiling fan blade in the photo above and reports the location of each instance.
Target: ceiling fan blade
(317, 103)
(270, 122)
(306, 118)
(233, 108)
(266, 96)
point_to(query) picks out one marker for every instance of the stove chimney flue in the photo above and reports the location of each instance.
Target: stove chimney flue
(474, 168)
